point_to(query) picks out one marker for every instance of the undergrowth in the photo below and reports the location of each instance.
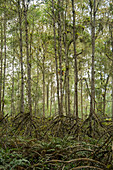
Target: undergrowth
(56, 143)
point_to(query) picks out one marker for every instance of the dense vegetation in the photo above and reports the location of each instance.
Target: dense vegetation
(56, 84)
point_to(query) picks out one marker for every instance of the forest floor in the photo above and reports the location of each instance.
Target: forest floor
(55, 143)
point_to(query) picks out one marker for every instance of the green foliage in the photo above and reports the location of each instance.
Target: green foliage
(10, 159)
(52, 149)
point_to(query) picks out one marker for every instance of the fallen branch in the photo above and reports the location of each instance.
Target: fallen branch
(86, 167)
(75, 160)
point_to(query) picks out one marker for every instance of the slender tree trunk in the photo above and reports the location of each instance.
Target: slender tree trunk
(48, 88)
(1, 58)
(75, 65)
(104, 96)
(21, 58)
(12, 93)
(112, 76)
(17, 93)
(68, 82)
(36, 94)
(68, 85)
(92, 99)
(4, 76)
(92, 102)
(28, 59)
(48, 97)
(56, 60)
(81, 97)
(44, 85)
(54, 102)
(31, 41)
(51, 96)
(66, 63)
(112, 69)
(60, 56)
(66, 100)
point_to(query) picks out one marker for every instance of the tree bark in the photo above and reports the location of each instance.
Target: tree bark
(51, 98)
(12, 93)
(5, 55)
(66, 58)
(60, 56)
(28, 58)
(112, 70)
(1, 59)
(56, 59)
(104, 95)
(75, 65)
(47, 96)
(43, 85)
(68, 82)
(81, 97)
(21, 58)
(92, 100)
(36, 94)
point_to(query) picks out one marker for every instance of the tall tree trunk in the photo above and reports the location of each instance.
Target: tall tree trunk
(56, 60)
(21, 58)
(51, 96)
(4, 76)
(104, 95)
(112, 73)
(47, 97)
(54, 102)
(31, 41)
(60, 55)
(1, 58)
(17, 93)
(66, 58)
(81, 97)
(112, 69)
(28, 59)
(75, 65)
(43, 85)
(111, 30)
(92, 100)
(36, 94)
(68, 82)
(12, 93)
